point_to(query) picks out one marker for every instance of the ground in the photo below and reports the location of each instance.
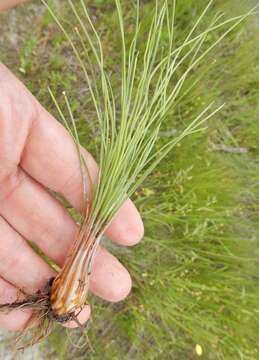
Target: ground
(195, 273)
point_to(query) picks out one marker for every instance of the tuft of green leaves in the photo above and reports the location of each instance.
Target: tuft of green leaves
(129, 125)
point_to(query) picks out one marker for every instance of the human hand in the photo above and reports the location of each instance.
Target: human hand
(36, 154)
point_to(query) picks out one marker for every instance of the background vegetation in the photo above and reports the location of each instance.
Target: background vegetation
(195, 274)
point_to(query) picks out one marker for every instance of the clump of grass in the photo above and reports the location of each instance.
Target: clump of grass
(128, 140)
(203, 220)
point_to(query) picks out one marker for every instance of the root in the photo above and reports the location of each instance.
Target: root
(42, 321)
(39, 325)
(40, 301)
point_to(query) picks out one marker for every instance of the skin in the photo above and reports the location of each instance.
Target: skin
(6, 4)
(37, 154)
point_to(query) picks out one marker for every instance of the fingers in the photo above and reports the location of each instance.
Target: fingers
(25, 270)
(37, 216)
(127, 227)
(19, 264)
(82, 317)
(50, 157)
(109, 279)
